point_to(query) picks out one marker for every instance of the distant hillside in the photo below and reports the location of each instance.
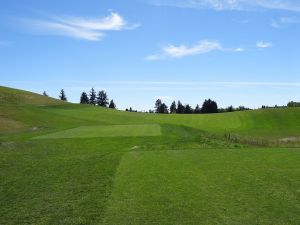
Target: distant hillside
(23, 110)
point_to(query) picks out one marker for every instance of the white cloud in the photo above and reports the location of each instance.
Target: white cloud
(202, 47)
(261, 44)
(290, 5)
(91, 29)
(281, 22)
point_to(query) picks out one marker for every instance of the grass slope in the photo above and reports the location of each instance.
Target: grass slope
(186, 173)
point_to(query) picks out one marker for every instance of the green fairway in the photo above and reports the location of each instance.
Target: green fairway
(63, 163)
(257, 186)
(106, 131)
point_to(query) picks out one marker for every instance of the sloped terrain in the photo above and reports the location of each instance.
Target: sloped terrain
(63, 163)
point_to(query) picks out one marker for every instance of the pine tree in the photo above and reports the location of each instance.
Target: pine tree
(157, 106)
(84, 99)
(112, 105)
(188, 109)
(45, 94)
(163, 108)
(102, 99)
(62, 95)
(229, 109)
(209, 106)
(197, 109)
(92, 100)
(180, 107)
(173, 108)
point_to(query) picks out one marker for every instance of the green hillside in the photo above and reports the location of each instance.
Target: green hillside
(63, 163)
(21, 109)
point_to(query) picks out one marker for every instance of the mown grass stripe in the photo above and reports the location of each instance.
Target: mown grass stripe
(106, 131)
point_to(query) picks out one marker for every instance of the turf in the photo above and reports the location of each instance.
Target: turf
(257, 186)
(106, 131)
(63, 163)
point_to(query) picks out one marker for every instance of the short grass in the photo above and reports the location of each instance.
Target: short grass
(106, 131)
(257, 186)
(61, 182)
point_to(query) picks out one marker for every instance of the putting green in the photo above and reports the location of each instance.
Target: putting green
(106, 131)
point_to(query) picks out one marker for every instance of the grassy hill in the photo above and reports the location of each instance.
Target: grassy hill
(63, 163)
(22, 109)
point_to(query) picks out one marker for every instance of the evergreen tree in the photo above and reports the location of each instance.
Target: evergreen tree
(163, 108)
(84, 99)
(197, 109)
(62, 95)
(229, 109)
(188, 109)
(102, 99)
(173, 107)
(45, 94)
(112, 105)
(157, 106)
(180, 107)
(209, 106)
(92, 100)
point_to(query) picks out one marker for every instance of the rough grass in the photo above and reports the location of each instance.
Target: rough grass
(106, 131)
(257, 186)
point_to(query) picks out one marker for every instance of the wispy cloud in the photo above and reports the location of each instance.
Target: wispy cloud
(290, 5)
(283, 21)
(262, 44)
(91, 29)
(202, 47)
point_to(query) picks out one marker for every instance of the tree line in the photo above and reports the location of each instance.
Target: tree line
(93, 98)
(208, 106)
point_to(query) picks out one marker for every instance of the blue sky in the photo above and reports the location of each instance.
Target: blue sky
(238, 52)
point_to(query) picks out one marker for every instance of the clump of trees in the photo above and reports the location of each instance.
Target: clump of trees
(160, 107)
(293, 104)
(208, 106)
(232, 109)
(130, 110)
(99, 99)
